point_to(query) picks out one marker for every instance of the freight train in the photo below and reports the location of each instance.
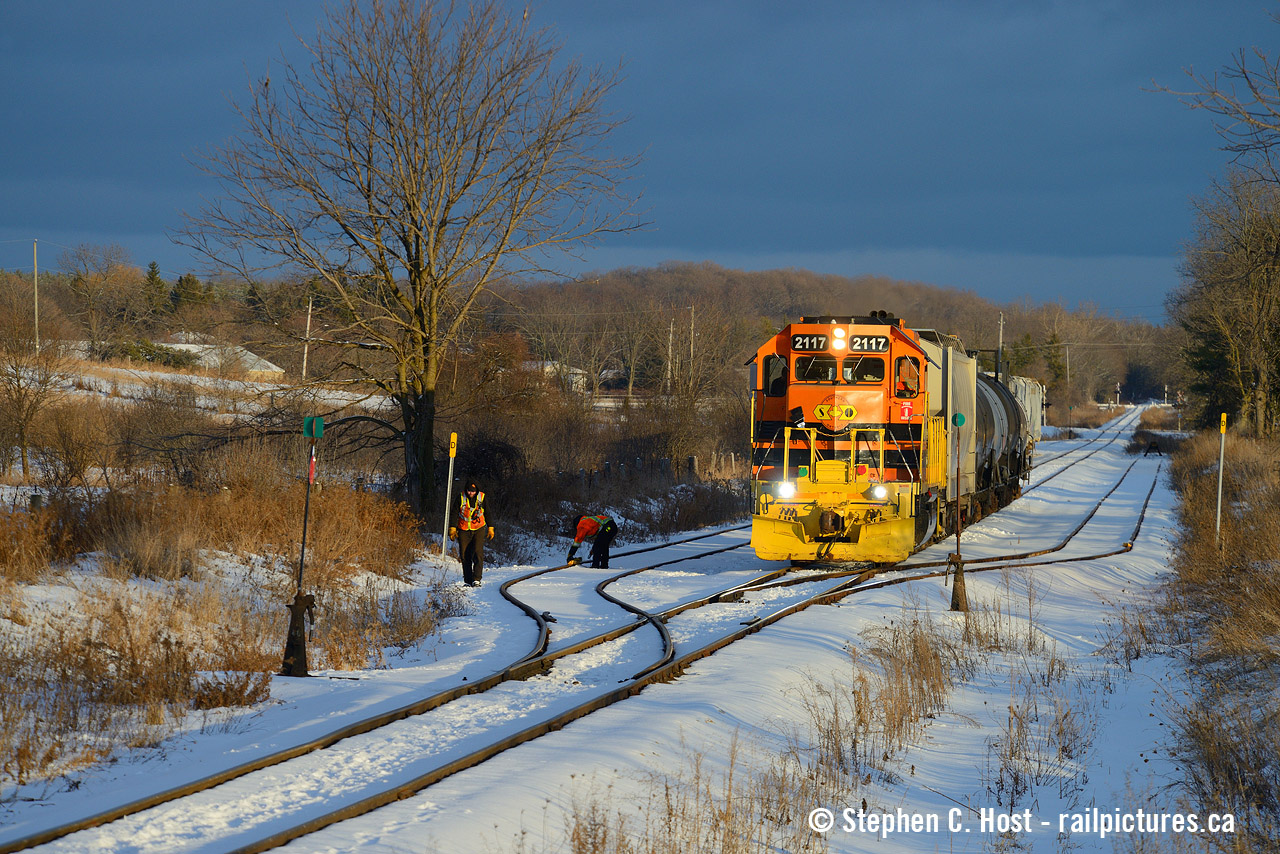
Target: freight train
(870, 439)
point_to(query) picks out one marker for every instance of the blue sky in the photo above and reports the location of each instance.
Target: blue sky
(1012, 148)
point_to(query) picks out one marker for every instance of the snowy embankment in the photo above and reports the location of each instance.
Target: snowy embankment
(1039, 720)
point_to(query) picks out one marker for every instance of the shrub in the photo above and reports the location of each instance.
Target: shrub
(30, 544)
(119, 668)
(141, 350)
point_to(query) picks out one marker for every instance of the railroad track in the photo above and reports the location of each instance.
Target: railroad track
(538, 660)
(538, 663)
(1111, 431)
(1123, 533)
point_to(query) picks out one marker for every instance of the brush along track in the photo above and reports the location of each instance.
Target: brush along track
(661, 673)
(537, 660)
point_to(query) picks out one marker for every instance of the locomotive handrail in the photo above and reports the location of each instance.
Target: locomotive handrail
(925, 564)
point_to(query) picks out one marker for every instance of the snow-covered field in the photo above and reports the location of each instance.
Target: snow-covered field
(751, 693)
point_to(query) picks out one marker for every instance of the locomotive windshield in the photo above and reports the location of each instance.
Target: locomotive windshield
(816, 369)
(863, 369)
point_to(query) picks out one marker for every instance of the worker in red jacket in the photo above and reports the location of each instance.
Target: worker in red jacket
(600, 530)
(470, 530)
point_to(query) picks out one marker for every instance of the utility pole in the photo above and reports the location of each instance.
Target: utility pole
(306, 341)
(35, 288)
(1000, 349)
(690, 338)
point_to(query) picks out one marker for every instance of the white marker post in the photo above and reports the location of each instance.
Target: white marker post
(1222, 455)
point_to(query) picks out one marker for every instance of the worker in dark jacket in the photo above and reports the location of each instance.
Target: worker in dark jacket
(600, 530)
(470, 528)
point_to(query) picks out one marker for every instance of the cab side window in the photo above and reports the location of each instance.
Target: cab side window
(906, 376)
(775, 376)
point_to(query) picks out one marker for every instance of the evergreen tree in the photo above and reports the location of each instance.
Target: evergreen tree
(155, 290)
(188, 291)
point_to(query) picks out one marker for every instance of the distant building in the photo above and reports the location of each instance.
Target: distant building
(572, 379)
(234, 360)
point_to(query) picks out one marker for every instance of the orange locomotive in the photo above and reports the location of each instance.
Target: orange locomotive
(869, 439)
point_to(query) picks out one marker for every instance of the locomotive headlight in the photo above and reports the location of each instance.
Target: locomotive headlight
(838, 332)
(837, 344)
(876, 492)
(786, 489)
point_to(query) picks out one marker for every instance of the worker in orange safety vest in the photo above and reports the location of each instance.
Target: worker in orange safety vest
(470, 529)
(600, 530)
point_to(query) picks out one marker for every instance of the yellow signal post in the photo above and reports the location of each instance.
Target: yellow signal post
(448, 497)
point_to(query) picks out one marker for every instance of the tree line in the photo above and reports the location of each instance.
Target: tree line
(1228, 305)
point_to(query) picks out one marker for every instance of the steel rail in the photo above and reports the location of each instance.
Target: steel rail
(524, 667)
(668, 672)
(668, 646)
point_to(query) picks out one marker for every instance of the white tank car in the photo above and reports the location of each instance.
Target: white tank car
(1030, 396)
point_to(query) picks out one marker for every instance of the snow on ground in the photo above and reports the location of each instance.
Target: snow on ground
(751, 692)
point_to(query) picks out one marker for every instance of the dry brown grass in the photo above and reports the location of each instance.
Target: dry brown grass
(1159, 418)
(1089, 415)
(32, 542)
(248, 504)
(118, 668)
(148, 485)
(753, 806)
(1223, 606)
(361, 624)
(898, 680)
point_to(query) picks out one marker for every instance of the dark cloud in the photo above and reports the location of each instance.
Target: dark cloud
(841, 132)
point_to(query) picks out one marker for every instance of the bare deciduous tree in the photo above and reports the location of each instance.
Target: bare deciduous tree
(30, 380)
(425, 153)
(107, 289)
(1230, 302)
(1244, 99)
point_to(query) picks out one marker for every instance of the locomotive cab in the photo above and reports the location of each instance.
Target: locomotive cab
(847, 458)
